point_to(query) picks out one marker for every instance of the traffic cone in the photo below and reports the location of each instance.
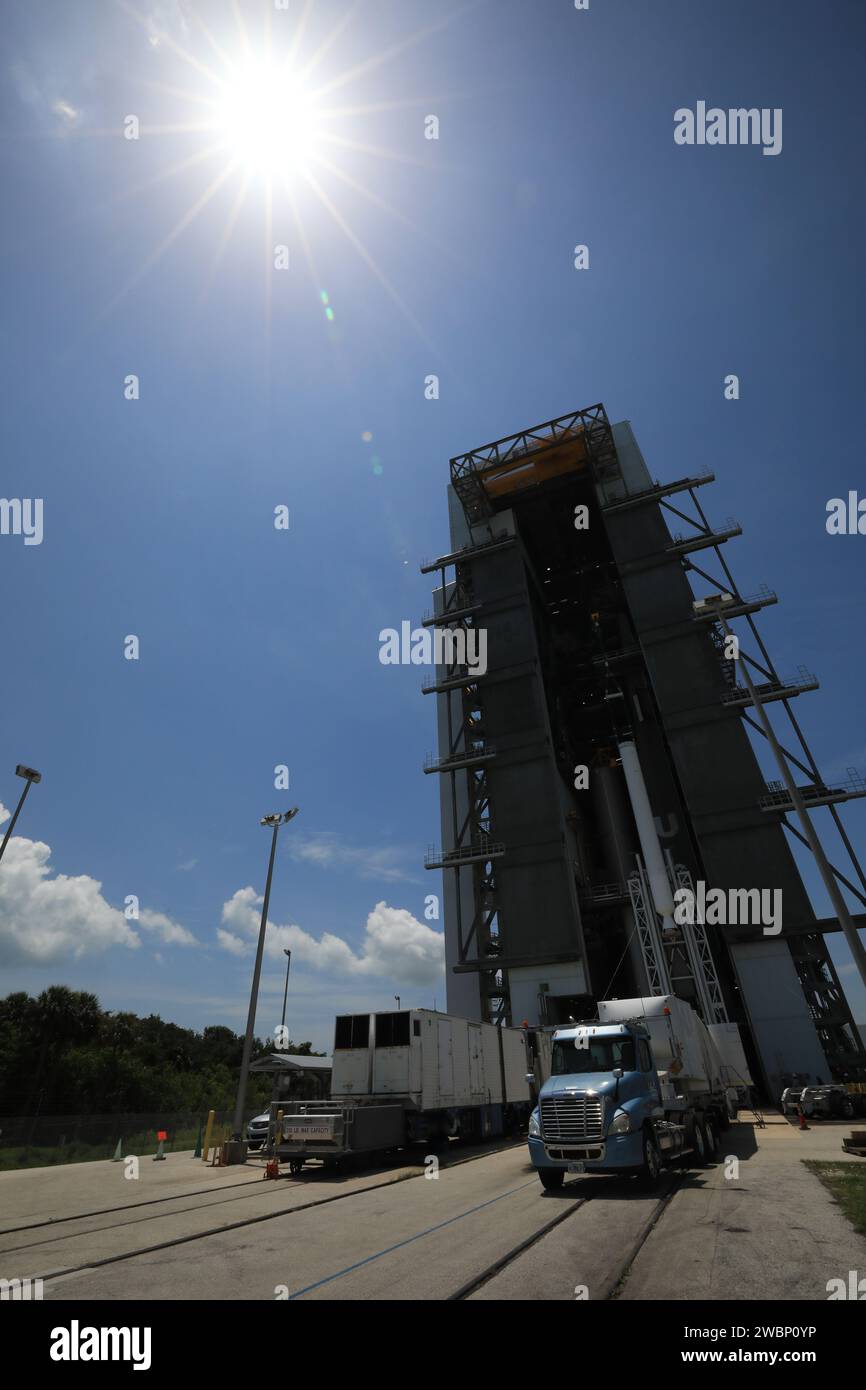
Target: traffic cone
(118, 1155)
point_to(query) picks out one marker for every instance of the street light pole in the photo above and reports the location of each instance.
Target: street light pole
(274, 821)
(288, 956)
(30, 775)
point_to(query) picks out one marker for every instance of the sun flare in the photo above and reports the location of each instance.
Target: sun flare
(261, 107)
(268, 121)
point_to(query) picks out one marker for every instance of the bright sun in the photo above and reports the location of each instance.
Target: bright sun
(274, 128)
(268, 120)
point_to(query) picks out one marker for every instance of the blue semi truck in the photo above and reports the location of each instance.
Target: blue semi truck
(630, 1091)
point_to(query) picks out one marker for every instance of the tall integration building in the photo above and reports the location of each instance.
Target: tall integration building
(594, 759)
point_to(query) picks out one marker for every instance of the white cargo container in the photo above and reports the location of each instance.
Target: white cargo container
(434, 1061)
(682, 1047)
(413, 1075)
(735, 1068)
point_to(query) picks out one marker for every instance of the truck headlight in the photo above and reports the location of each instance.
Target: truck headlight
(534, 1126)
(620, 1124)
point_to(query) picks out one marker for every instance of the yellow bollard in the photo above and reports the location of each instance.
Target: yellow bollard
(211, 1116)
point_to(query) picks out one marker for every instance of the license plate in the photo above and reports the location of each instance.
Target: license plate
(577, 1167)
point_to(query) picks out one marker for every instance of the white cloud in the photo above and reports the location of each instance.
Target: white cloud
(325, 850)
(163, 19)
(66, 114)
(396, 945)
(232, 944)
(47, 917)
(172, 933)
(39, 92)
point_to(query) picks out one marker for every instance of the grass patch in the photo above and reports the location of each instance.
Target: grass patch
(79, 1151)
(847, 1184)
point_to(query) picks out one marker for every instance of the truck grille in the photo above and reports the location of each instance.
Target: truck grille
(571, 1117)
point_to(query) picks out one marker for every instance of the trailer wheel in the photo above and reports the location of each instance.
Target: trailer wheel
(551, 1178)
(711, 1136)
(295, 1165)
(699, 1143)
(652, 1163)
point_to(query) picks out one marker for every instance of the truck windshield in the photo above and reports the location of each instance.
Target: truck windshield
(598, 1054)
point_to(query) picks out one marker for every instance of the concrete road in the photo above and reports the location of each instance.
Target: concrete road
(417, 1239)
(99, 1215)
(756, 1225)
(767, 1229)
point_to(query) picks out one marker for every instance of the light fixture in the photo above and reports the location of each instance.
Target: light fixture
(279, 817)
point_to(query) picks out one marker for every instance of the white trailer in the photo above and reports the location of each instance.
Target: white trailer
(436, 1062)
(409, 1075)
(735, 1068)
(681, 1044)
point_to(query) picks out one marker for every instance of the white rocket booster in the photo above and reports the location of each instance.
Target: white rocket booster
(649, 841)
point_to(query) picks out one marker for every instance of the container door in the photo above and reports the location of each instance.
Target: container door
(446, 1062)
(476, 1064)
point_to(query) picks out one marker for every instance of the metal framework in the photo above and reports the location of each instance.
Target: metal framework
(468, 753)
(826, 1000)
(700, 956)
(464, 762)
(467, 470)
(683, 957)
(649, 936)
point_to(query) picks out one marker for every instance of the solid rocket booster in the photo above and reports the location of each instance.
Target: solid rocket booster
(649, 841)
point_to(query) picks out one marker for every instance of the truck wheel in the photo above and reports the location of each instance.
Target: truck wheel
(551, 1178)
(699, 1144)
(711, 1136)
(652, 1164)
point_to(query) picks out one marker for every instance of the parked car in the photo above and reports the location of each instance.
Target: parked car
(828, 1102)
(822, 1102)
(257, 1130)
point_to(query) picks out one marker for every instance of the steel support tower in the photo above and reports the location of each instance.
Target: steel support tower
(562, 553)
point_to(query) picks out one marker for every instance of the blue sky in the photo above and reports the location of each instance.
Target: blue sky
(451, 256)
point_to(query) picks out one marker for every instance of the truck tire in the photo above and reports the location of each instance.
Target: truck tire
(652, 1163)
(551, 1178)
(711, 1134)
(699, 1143)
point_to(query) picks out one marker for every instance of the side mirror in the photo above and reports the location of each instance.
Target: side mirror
(618, 1073)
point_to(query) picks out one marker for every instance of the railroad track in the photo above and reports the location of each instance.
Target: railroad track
(59, 1227)
(160, 1208)
(613, 1286)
